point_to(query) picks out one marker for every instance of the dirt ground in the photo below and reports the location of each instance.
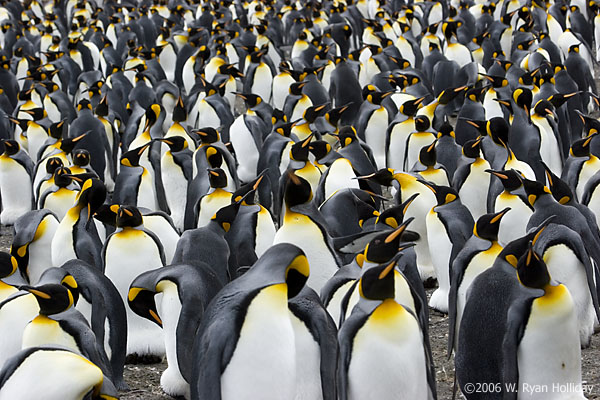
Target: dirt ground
(144, 380)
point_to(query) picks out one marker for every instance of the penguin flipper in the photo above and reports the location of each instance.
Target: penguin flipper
(517, 317)
(308, 307)
(346, 338)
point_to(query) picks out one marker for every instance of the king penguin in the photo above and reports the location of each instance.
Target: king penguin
(380, 330)
(129, 251)
(249, 320)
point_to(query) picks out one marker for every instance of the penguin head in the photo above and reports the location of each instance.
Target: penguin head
(8, 265)
(446, 129)
(283, 263)
(472, 148)
(534, 190)
(544, 108)
(53, 298)
(179, 111)
(84, 104)
(427, 155)
(251, 100)
(300, 150)
(152, 113)
(57, 129)
(496, 81)
(394, 216)
(213, 156)
(447, 95)
(68, 144)
(497, 128)
(377, 283)
(378, 97)
(443, 194)
(319, 148)
(81, 158)
(245, 194)
(37, 113)
(296, 88)
(207, 135)
(297, 190)
(141, 301)
(225, 216)
(311, 113)
(132, 157)
(487, 225)
(523, 97)
(532, 269)
(384, 176)
(347, 135)
(386, 245)
(128, 216)
(334, 115)
(581, 147)
(561, 191)
(422, 123)
(410, 107)
(217, 178)
(11, 147)
(92, 193)
(510, 179)
(53, 164)
(175, 143)
(62, 177)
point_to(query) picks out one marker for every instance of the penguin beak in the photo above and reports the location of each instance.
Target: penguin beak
(398, 231)
(387, 270)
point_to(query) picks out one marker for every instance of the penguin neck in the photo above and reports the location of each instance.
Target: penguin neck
(6, 290)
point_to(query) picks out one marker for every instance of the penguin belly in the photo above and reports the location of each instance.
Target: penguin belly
(340, 176)
(146, 196)
(397, 146)
(263, 80)
(207, 116)
(128, 254)
(280, 91)
(265, 232)
(63, 245)
(565, 267)
(514, 224)
(245, 149)
(59, 375)
(416, 142)
(300, 230)
(36, 137)
(263, 364)
(40, 248)
(171, 381)
(474, 191)
(388, 360)
(175, 190)
(492, 107)
(375, 135)
(441, 248)
(60, 202)
(551, 339)
(15, 190)
(419, 209)
(167, 236)
(308, 362)
(15, 314)
(549, 148)
(334, 307)
(459, 53)
(43, 330)
(478, 264)
(587, 171)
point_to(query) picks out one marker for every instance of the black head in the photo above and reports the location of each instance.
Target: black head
(141, 301)
(472, 148)
(427, 155)
(297, 190)
(385, 246)
(207, 135)
(128, 216)
(179, 111)
(81, 158)
(311, 113)
(544, 108)
(443, 194)
(516, 248)
(534, 190)
(422, 123)
(58, 129)
(384, 176)
(52, 298)
(226, 215)
(213, 156)
(300, 150)
(532, 270)
(217, 178)
(377, 283)
(175, 143)
(8, 265)
(319, 148)
(11, 147)
(561, 191)
(487, 225)
(581, 147)
(132, 157)
(53, 164)
(510, 179)
(347, 135)
(62, 177)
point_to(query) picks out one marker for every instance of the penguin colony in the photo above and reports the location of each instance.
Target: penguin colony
(257, 191)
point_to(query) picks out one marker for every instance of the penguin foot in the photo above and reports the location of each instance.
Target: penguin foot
(142, 359)
(430, 283)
